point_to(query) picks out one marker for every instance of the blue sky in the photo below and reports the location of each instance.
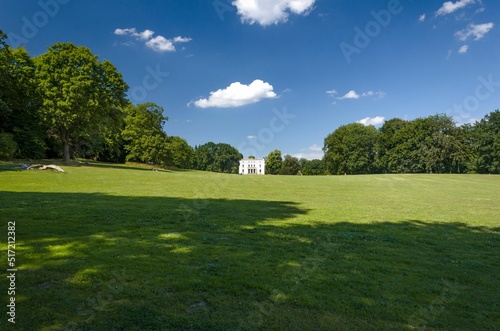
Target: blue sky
(281, 74)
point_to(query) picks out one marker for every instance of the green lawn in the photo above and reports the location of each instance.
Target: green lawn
(107, 247)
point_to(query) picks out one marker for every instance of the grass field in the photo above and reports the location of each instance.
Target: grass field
(107, 247)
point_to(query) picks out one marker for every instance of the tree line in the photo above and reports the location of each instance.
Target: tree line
(66, 103)
(435, 144)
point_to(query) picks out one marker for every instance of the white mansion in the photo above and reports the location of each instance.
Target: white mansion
(252, 167)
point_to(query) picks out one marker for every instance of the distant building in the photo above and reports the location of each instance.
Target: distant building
(252, 167)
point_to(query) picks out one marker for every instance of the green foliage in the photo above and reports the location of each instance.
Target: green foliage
(313, 168)
(81, 95)
(145, 140)
(290, 166)
(433, 144)
(387, 141)
(274, 162)
(351, 150)
(181, 153)
(486, 137)
(7, 146)
(217, 158)
(19, 102)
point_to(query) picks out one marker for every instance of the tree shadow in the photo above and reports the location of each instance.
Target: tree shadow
(101, 262)
(124, 166)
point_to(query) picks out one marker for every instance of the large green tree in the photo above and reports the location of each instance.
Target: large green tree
(5, 79)
(387, 140)
(487, 144)
(19, 103)
(290, 165)
(350, 149)
(217, 158)
(431, 144)
(181, 153)
(145, 140)
(274, 162)
(313, 168)
(80, 94)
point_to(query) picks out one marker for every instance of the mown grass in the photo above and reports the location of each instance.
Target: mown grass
(107, 247)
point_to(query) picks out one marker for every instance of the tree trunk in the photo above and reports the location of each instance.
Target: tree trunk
(66, 156)
(65, 141)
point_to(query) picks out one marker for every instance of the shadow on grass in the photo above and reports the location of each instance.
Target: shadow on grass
(18, 165)
(122, 166)
(100, 262)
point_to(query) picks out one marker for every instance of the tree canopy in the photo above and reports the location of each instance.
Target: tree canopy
(351, 149)
(217, 158)
(290, 165)
(274, 162)
(145, 140)
(80, 94)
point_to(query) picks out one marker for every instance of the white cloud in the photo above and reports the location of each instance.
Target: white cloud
(158, 43)
(237, 94)
(449, 7)
(464, 49)
(352, 94)
(421, 18)
(309, 156)
(180, 39)
(372, 120)
(460, 122)
(267, 12)
(144, 35)
(161, 44)
(251, 137)
(331, 92)
(315, 148)
(378, 94)
(477, 31)
(310, 153)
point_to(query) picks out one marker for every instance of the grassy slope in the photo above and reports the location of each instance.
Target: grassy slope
(109, 247)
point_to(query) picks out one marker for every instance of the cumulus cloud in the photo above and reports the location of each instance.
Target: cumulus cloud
(158, 43)
(315, 148)
(421, 18)
(144, 35)
(250, 137)
(313, 152)
(477, 31)
(161, 44)
(372, 120)
(352, 94)
(331, 92)
(449, 6)
(179, 39)
(464, 49)
(267, 12)
(237, 94)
